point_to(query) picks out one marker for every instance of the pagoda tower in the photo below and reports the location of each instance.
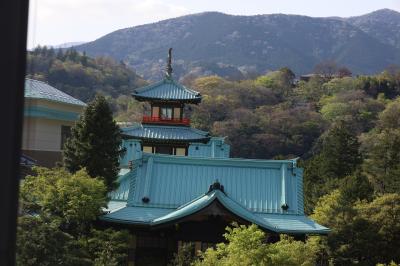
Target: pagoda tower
(166, 130)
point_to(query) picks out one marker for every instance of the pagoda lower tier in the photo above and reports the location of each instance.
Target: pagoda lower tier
(175, 140)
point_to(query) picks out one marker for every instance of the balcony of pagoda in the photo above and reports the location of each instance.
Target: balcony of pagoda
(165, 121)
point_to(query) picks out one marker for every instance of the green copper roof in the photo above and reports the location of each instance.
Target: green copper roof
(161, 189)
(40, 90)
(259, 185)
(167, 90)
(276, 223)
(173, 133)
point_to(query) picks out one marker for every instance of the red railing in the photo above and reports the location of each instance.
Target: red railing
(154, 119)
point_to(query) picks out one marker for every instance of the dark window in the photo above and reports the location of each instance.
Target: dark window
(164, 149)
(65, 134)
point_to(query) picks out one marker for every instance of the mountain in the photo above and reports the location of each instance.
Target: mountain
(384, 25)
(234, 46)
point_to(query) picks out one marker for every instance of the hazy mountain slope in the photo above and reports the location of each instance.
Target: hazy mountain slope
(382, 24)
(215, 43)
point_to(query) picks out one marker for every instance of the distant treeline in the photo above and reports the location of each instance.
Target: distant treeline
(79, 75)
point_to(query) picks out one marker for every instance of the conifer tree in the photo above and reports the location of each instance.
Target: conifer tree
(95, 143)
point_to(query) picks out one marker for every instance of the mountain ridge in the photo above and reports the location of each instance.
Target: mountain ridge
(233, 45)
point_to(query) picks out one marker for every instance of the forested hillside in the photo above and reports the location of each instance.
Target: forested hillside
(79, 75)
(236, 47)
(346, 132)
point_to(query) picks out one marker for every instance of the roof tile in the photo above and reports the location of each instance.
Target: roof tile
(40, 90)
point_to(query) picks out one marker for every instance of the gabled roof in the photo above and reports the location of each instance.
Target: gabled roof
(40, 90)
(297, 224)
(167, 90)
(172, 133)
(163, 189)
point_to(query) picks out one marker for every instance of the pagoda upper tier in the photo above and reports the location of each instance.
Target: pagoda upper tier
(167, 90)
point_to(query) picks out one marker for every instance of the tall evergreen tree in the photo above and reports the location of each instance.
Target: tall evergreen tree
(95, 143)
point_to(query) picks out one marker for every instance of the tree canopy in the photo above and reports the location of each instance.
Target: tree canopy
(56, 223)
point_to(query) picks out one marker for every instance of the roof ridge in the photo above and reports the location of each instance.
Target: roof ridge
(230, 159)
(178, 127)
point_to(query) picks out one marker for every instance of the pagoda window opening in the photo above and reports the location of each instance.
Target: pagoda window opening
(165, 149)
(166, 113)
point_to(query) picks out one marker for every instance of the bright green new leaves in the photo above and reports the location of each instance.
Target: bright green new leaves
(73, 199)
(246, 246)
(57, 223)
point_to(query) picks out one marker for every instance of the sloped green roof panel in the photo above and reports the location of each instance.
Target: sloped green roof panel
(114, 205)
(135, 215)
(167, 90)
(172, 133)
(124, 180)
(206, 200)
(293, 224)
(255, 184)
(40, 90)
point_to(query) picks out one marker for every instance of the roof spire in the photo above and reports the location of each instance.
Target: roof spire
(168, 73)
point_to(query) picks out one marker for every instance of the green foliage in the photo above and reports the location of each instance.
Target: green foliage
(338, 158)
(246, 246)
(107, 247)
(280, 81)
(363, 233)
(310, 91)
(185, 256)
(74, 200)
(95, 143)
(384, 214)
(79, 75)
(56, 226)
(340, 152)
(382, 149)
(356, 187)
(41, 242)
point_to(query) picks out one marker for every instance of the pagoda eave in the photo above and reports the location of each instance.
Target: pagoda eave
(172, 141)
(160, 100)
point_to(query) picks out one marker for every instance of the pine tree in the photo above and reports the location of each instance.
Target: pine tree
(95, 143)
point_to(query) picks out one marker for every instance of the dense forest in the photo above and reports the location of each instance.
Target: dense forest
(79, 75)
(346, 131)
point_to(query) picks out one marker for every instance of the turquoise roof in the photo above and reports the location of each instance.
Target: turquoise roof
(167, 90)
(40, 90)
(179, 186)
(273, 222)
(161, 132)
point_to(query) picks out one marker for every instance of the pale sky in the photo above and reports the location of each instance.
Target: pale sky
(53, 22)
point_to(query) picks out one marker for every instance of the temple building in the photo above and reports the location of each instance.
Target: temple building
(178, 184)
